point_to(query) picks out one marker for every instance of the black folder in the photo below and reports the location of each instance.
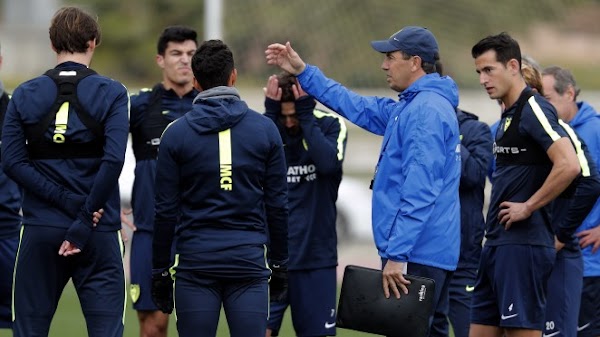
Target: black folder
(363, 307)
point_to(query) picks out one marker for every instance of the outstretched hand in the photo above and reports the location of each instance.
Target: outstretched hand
(285, 57)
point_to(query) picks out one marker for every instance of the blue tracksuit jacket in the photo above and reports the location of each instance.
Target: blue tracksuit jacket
(416, 210)
(221, 189)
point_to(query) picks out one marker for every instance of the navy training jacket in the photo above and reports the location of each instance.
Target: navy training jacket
(314, 160)
(221, 190)
(52, 187)
(142, 194)
(476, 155)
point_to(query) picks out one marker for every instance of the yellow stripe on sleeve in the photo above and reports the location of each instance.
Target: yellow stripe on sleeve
(537, 110)
(583, 163)
(343, 131)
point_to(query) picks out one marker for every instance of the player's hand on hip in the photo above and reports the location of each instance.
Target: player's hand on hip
(511, 212)
(394, 279)
(590, 237)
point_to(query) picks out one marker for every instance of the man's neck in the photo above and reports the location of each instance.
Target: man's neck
(573, 109)
(83, 58)
(514, 93)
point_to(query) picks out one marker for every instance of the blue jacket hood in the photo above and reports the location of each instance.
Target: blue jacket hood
(442, 85)
(216, 109)
(585, 114)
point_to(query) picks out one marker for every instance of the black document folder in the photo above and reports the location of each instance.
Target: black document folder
(363, 307)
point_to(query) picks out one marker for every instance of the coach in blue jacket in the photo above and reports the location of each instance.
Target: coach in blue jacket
(221, 192)
(416, 211)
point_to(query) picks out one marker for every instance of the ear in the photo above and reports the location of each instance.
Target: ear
(513, 66)
(570, 93)
(92, 45)
(160, 60)
(232, 78)
(197, 85)
(416, 63)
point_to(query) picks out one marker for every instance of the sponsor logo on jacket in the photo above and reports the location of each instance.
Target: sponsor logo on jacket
(297, 173)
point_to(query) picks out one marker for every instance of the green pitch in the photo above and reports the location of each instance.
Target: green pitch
(68, 321)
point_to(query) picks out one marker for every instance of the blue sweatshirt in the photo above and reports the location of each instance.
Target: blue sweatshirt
(416, 209)
(314, 171)
(587, 125)
(142, 194)
(221, 190)
(64, 193)
(476, 155)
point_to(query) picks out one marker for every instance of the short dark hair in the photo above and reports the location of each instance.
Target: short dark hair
(439, 67)
(504, 45)
(175, 34)
(286, 81)
(212, 64)
(71, 29)
(428, 68)
(563, 79)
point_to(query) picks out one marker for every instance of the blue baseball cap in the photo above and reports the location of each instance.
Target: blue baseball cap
(411, 40)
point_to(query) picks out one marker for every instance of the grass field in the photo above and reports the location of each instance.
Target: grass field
(68, 321)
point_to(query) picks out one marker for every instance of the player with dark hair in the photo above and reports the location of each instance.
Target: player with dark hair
(221, 195)
(535, 162)
(151, 111)
(63, 142)
(314, 143)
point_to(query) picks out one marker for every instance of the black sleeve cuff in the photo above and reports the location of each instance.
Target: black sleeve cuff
(81, 230)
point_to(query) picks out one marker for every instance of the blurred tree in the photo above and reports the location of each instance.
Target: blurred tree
(333, 34)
